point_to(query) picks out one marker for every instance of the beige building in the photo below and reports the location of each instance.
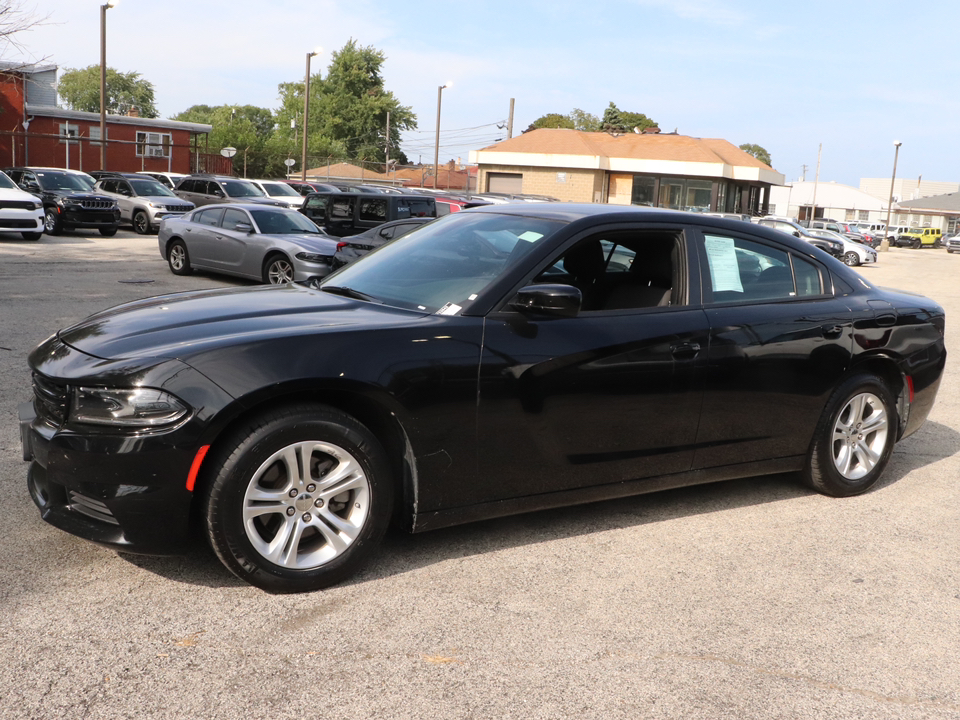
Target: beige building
(652, 168)
(833, 200)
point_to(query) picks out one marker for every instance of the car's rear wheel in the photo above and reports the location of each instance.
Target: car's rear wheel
(141, 223)
(108, 231)
(178, 258)
(51, 222)
(854, 437)
(298, 498)
(851, 259)
(916, 244)
(31, 235)
(277, 270)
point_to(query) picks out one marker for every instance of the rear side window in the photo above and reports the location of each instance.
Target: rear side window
(374, 209)
(743, 271)
(341, 208)
(417, 208)
(209, 217)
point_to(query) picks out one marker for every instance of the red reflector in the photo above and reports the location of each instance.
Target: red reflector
(341, 245)
(195, 468)
(910, 387)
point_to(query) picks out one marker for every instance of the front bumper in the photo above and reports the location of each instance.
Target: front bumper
(89, 218)
(126, 490)
(12, 219)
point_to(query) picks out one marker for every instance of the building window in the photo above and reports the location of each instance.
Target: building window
(771, 210)
(864, 215)
(153, 144)
(849, 215)
(94, 135)
(68, 130)
(644, 191)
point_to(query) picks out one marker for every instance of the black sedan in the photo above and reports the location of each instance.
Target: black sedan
(356, 246)
(497, 361)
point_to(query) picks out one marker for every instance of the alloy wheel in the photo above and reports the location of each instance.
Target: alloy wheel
(177, 258)
(860, 435)
(280, 272)
(305, 505)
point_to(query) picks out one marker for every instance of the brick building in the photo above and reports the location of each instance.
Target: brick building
(35, 131)
(651, 168)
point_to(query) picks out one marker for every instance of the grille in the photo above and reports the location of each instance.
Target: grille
(50, 400)
(17, 205)
(92, 204)
(19, 224)
(178, 208)
(91, 508)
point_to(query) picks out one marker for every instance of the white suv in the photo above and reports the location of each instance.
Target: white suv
(281, 192)
(19, 211)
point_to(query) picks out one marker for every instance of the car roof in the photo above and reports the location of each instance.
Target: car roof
(247, 206)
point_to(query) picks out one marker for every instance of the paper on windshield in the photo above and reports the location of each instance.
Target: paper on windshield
(449, 309)
(724, 268)
(530, 236)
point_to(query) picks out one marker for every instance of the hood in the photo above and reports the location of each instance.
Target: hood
(323, 244)
(79, 195)
(186, 324)
(167, 200)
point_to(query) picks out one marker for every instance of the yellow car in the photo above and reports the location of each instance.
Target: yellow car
(921, 237)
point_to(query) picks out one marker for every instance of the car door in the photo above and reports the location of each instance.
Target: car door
(200, 236)
(779, 342)
(607, 396)
(237, 245)
(125, 199)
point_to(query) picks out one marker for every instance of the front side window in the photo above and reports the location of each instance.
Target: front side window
(232, 217)
(743, 271)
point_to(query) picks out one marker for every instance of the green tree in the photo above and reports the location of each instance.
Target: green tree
(758, 152)
(582, 120)
(348, 108)
(551, 120)
(80, 89)
(617, 120)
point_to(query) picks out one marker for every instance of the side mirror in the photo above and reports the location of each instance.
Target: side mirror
(243, 227)
(558, 300)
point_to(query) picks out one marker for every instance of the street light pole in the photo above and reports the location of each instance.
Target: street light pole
(306, 111)
(103, 81)
(436, 145)
(885, 243)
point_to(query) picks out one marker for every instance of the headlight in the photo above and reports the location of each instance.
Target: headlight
(313, 257)
(154, 205)
(37, 205)
(134, 408)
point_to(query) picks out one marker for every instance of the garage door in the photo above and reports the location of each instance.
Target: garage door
(509, 183)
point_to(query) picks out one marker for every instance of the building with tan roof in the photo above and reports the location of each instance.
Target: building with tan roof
(651, 168)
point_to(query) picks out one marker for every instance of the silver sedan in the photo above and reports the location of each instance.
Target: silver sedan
(272, 245)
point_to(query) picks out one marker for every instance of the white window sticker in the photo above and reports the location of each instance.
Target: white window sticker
(449, 309)
(530, 236)
(724, 268)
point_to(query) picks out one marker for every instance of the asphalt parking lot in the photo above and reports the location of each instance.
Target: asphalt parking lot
(745, 599)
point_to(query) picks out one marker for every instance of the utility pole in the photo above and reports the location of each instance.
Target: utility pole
(815, 183)
(386, 148)
(804, 177)
(510, 121)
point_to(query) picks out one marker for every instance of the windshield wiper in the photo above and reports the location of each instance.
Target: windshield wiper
(350, 293)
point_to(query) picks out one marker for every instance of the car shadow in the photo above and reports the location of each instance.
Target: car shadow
(15, 239)
(402, 552)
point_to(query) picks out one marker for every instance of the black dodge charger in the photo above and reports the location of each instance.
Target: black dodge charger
(496, 361)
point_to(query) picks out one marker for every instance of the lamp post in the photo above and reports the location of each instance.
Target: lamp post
(436, 145)
(306, 113)
(885, 243)
(103, 80)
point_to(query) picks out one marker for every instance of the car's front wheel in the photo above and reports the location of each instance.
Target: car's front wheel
(51, 222)
(298, 498)
(851, 259)
(141, 223)
(854, 437)
(108, 231)
(277, 270)
(178, 258)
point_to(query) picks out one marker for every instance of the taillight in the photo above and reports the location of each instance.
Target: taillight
(341, 245)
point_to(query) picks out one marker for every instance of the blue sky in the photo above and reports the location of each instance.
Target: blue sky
(852, 75)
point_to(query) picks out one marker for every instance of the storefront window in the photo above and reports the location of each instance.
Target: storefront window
(698, 195)
(644, 190)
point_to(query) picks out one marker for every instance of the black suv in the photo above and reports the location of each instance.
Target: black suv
(208, 189)
(348, 213)
(68, 202)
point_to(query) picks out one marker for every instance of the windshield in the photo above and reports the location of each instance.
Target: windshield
(237, 188)
(444, 265)
(276, 189)
(280, 222)
(62, 181)
(148, 188)
(6, 182)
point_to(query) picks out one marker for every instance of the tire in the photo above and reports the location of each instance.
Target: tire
(277, 270)
(31, 235)
(950, 251)
(285, 531)
(916, 244)
(141, 223)
(178, 258)
(108, 231)
(851, 259)
(844, 460)
(51, 222)
(937, 243)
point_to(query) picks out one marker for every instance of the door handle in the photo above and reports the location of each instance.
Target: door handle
(685, 350)
(886, 320)
(831, 331)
